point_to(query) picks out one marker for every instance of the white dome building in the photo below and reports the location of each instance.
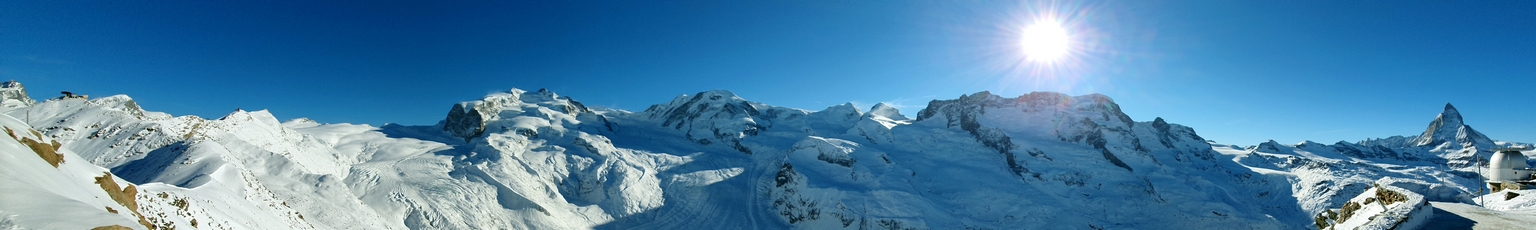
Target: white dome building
(1508, 166)
(1507, 169)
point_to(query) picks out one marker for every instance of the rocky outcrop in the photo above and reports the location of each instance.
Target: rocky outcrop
(1381, 207)
(465, 121)
(468, 119)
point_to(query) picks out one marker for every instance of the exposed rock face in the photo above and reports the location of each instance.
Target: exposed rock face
(467, 119)
(963, 113)
(464, 121)
(12, 95)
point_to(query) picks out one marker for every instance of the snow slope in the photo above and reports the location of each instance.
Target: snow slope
(80, 196)
(30, 183)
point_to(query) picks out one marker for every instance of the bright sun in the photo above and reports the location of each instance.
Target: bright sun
(1045, 41)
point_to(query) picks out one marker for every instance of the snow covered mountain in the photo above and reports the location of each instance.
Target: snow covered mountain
(1442, 164)
(13, 95)
(710, 160)
(1448, 128)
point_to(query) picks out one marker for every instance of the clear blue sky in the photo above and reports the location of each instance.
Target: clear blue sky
(1240, 72)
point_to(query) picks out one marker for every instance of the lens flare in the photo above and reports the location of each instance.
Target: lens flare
(1045, 41)
(1046, 46)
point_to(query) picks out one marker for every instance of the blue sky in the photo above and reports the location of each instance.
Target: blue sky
(1239, 72)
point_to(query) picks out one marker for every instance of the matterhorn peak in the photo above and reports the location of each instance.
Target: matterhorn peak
(1448, 126)
(1451, 116)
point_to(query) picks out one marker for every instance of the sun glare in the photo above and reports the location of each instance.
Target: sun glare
(1047, 45)
(1045, 41)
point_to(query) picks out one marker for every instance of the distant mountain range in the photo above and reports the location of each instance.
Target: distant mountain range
(710, 160)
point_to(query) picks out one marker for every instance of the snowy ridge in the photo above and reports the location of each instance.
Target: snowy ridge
(556, 164)
(538, 160)
(935, 168)
(721, 117)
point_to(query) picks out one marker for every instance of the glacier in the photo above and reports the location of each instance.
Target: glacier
(709, 160)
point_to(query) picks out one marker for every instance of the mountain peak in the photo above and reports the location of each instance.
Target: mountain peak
(717, 95)
(716, 116)
(885, 110)
(686, 105)
(1449, 126)
(468, 119)
(12, 94)
(845, 106)
(1450, 113)
(1272, 146)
